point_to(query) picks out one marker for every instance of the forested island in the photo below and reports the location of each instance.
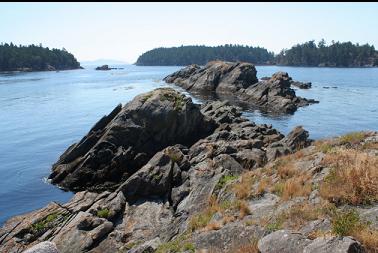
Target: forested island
(185, 55)
(35, 58)
(337, 54)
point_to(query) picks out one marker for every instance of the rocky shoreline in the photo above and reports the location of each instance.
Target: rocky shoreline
(162, 174)
(237, 81)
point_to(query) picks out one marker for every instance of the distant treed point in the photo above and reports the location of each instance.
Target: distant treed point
(337, 54)
(35, 58)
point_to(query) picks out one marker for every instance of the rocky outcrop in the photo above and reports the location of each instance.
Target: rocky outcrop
(238, 81)
(122, 142)
(103, 67)
(212, 181)
(301, 85)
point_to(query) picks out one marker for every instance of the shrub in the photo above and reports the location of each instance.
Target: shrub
(103, 213)
(352, 138)
(344, 223)
(224, 180)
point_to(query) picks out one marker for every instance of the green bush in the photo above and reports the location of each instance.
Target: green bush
(344, 223)
(103, 213)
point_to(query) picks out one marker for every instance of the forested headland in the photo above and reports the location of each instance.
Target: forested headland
(35, 58)
(336, 54)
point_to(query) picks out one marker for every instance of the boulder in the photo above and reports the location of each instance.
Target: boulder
(287, 241)
(43, 247)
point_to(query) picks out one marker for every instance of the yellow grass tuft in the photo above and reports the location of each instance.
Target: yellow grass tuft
(353, 178)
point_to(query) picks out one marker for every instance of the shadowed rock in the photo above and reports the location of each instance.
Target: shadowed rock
(122, 142)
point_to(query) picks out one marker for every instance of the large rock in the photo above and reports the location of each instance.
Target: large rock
(284, 241)
(219, 76)
(43, 247)
(122, 142)
(238, 81)
(274, 95)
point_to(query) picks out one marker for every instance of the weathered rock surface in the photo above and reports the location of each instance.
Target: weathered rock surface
(122, 142)
(238, 80)
(43, 247)
(290, 242)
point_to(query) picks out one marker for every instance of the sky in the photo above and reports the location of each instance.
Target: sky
(123, 31)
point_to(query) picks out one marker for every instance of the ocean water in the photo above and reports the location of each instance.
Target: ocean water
(42, 113)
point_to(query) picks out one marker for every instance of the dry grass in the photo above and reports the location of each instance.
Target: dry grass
(348, 223)
(352, 138)
(299, 186)
(287, 170)
(213, 226)
(202, 220)
(243, 189)
(353, 178)
(248, 248)
(300, 214)
(263, 186)
(368, 238)
(243, 209)
(370, 145)
(324, 146)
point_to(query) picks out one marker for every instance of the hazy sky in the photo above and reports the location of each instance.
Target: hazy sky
(123, 31)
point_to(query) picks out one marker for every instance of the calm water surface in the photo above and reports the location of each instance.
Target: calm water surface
(42, 113)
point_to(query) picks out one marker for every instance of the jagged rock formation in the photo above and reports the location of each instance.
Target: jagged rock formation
(238, 80)
(122, 142)
(215, 183)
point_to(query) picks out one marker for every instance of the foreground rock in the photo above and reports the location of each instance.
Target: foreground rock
(238, 80)
(226, 191)
(291, 242)
(43, 247)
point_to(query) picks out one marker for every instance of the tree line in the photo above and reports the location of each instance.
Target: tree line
(35, 58)
(345, 54)
(186, 55)
(337, 54)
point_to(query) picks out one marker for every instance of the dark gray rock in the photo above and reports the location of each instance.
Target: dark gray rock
(122, 142)
(301, 85)
(219, 76)
(103, 67)
(238, 81)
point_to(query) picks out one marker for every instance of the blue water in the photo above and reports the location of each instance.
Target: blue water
(42, 113)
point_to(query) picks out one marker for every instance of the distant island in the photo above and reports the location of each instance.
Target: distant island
(309, 54)
(345, 54)
(35, 58)
(186, 55)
